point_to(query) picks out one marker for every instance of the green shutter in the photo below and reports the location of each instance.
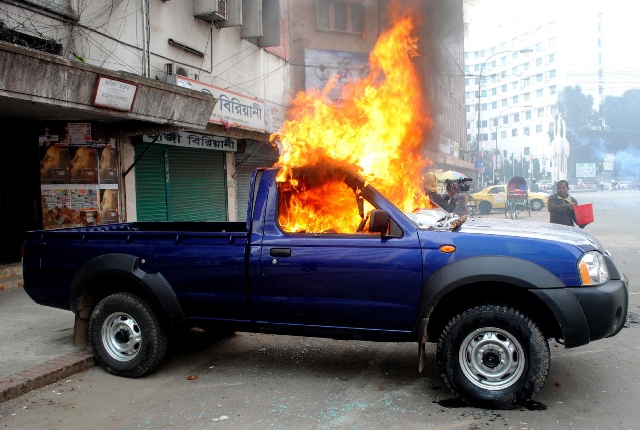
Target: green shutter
(151, 198)
(197, 185)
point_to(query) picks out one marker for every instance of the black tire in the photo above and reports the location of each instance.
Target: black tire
(126, 336)
(537, 204)
(485, 207)
(487, 377)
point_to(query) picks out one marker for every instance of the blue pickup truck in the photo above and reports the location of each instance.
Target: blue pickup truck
(490, 293)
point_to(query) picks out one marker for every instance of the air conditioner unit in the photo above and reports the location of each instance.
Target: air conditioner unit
(210, 10)
(172, 69)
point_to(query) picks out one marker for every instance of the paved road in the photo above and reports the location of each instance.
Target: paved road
(250, 381)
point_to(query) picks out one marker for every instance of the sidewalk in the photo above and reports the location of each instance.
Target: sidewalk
(36, 345)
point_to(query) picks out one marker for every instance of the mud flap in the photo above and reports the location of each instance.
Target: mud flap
(423, 337)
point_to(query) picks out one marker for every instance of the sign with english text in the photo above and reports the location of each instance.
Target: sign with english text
(114, 94)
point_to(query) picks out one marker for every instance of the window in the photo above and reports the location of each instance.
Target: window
(341, 16)
(538, 128)
(476, 67)
(483, 93)
(552, 41)
(552, 73)
(527, 96)
(514, 55)
(476, 94)
(493, 64)
(494, 136)
(516, 117)
(467, 81)
(551, 126)
(552, 58)
(494, 105)
(484, 123)
(503, 134)
(515, 99)
(539, 77)
(503, 61)
(494, 122)
(514, 71)
(505, 119)
(484, 106)
(514, 132)
(526, 66)
(539, 62)
(494, 91)
(64, 7)
(540, 93)
(525, 131)
(504, 102)
(466, 55)
(554, 109)
(514, 85)
(484, 137)
(468, 125)
(468, 108)
(467, 69)
(538, 47)
(527, 115)
(476, 54)
(540, 112)
(504, 88)
(552, 89)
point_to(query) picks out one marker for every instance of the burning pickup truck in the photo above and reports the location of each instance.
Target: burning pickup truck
(490, 293)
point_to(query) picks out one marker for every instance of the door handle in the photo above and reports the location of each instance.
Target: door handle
(280, 252)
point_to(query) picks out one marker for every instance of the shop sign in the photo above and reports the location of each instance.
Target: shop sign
(114, 94)
(232, 109)
(194, 140)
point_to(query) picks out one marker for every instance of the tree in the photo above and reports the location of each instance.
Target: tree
(577, 110)
(621, 115)
(536, 169)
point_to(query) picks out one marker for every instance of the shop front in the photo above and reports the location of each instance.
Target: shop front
(66, 125)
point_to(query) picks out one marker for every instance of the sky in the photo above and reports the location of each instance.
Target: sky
(488, 21)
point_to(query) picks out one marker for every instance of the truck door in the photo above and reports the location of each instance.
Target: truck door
(338, 280)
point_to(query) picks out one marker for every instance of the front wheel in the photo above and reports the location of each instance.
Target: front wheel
(126, 336)
(493, 357)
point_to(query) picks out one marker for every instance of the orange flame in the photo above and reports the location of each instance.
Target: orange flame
(376, 129)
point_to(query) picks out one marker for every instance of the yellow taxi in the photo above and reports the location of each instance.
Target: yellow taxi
(494, 196)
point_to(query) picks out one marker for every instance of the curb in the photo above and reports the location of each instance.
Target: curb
(46, 373)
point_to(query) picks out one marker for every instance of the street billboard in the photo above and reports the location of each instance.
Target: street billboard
(585, 170)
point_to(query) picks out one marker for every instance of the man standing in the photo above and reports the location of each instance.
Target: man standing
(561, 205)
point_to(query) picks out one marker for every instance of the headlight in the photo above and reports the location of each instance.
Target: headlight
(593, 269)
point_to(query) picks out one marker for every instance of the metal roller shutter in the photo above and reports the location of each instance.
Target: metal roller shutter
(180, 184)
(257, 154)
(197, 185)
(151, 195)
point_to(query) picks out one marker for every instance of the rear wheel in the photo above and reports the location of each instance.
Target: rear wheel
(493, 357)
(126, 335)
(537, 204)
(484, 207)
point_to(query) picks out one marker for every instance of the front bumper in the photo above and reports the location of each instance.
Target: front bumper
(586, 314)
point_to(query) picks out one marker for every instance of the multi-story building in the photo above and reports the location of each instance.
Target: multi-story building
(512, 87)
(101, 122)
(100, 118)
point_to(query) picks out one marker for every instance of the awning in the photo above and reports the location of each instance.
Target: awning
(38, 85)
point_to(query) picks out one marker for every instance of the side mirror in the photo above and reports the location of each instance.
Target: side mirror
(379, 221)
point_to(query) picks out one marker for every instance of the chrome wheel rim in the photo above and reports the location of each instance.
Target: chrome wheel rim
(491, 358)
(121, 336)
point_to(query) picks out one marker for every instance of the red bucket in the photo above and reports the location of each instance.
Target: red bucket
(584, 213)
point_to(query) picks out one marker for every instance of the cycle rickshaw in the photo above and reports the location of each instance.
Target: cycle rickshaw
(517, 197)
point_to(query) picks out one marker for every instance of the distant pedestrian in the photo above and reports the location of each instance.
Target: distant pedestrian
(561, 204)
(601, 185)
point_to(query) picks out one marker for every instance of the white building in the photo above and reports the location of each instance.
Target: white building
(514, 75)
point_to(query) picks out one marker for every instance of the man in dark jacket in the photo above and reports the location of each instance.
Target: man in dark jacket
(561, 205)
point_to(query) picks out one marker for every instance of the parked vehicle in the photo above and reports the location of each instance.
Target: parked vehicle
(489, 294)
(495, 196)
